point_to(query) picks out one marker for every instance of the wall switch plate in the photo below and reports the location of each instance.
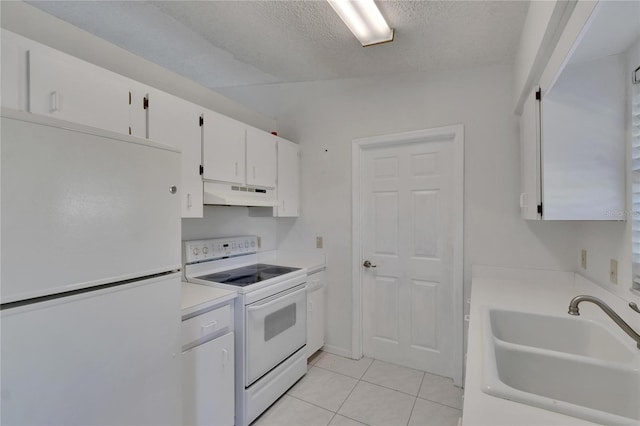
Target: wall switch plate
(583, 260)
(259, 242)
(613, 271)
(318, 242)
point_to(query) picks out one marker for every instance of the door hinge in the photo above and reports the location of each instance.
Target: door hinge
(201, 169)
(201, 121)
(538, 95)
(145, 103)
(540, 210)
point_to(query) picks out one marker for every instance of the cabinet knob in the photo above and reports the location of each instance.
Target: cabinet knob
(173, 189)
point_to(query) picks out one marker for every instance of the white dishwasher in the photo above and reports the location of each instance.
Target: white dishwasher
(208, 367)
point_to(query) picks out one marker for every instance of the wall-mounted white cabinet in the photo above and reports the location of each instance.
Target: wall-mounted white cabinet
(223, 151)
(235, 158)
(573, 137)
(262, 166)
(288, 179)
(176, 122)
(64, 87)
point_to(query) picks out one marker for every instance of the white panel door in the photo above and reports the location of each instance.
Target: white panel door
(208, 383)
(89, 208)
(407, 296)
(105, 357)
(67, 88)
(262, 165)
(223, 148)
(176, 122)
(288, 179)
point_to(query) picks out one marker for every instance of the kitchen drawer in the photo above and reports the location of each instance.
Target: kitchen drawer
(211, 322)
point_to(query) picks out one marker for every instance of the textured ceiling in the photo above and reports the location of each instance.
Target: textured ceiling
(239, 43)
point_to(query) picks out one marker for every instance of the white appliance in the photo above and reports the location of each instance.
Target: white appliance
(90, 301)
(270, 315)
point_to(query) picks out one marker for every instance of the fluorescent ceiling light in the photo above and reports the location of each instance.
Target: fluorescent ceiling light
(364, 20)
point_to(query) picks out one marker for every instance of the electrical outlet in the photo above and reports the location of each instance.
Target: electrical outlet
(318, 242)
(583, 260)
(613, 271)
(259, 242)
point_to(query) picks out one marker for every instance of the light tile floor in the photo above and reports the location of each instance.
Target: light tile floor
(341, 391)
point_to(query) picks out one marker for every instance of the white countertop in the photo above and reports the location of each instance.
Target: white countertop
(196, 297)
(310, 260)
(544, 292)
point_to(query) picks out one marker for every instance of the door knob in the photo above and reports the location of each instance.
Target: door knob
(368, 264)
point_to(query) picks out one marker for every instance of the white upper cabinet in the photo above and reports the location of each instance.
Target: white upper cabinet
(574, 139)
(176, 122)
(531, 197)
(288, 179)
(223, 153)
(64, 87)
(262, 166)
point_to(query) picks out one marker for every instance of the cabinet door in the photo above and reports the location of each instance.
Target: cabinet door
(70, 89)
(223, 149)
(530, 170)
(14, 72)
(208, 392)
(176, 122)
(261, 158)
(315, 313)
(288, 179)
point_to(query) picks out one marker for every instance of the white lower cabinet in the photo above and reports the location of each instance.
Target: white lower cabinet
(208, 383)
(315, 312)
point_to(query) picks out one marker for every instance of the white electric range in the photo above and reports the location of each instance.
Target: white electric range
(270, 317)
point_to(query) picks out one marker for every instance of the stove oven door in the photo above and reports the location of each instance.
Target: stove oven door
(276, 327)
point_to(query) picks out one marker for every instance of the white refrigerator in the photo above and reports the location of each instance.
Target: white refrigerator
(90, 283)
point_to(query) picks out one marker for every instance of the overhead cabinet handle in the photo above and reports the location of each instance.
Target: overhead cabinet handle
(53, 101)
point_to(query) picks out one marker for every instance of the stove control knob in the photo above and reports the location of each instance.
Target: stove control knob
(205, 250)
(253, 243)
(246, 244)
(196, 251)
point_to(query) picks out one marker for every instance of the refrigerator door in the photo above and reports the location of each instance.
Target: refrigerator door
(104, 357)
(83, 207)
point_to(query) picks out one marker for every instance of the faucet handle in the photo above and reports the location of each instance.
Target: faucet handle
(634, 306)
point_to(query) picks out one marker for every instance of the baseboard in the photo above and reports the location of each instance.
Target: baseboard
(335, 350)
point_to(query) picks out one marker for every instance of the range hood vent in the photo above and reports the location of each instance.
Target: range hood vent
(221, 194)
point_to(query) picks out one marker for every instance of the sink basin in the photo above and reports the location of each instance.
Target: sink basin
(563, 334)
(566, 365)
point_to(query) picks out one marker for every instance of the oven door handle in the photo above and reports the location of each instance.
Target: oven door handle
(277, 298)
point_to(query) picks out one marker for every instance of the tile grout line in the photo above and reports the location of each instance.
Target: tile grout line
(387, 387)
(354, 388)
(416, 400)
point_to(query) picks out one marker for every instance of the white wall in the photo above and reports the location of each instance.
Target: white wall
(324, 117)
(612, 240)
(28, 21)
(227, 221)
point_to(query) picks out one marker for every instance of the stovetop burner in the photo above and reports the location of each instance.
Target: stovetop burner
(248, 275)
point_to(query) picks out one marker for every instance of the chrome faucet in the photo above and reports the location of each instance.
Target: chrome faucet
(573, 310)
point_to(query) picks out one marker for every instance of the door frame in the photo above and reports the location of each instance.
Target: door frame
(455, 134)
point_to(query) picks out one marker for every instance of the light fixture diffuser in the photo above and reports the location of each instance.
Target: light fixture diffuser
(364, 20)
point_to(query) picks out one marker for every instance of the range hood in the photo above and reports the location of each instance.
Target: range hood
(222, 194)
